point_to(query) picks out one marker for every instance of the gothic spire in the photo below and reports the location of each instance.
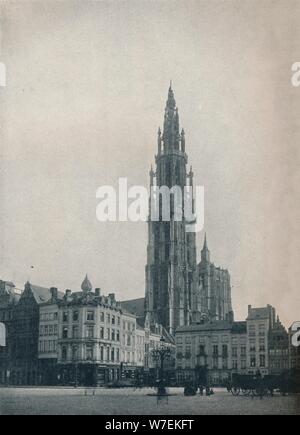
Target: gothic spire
(171, 136)
(182, 139)
(171, 103)
(205, 243)
(205, 254)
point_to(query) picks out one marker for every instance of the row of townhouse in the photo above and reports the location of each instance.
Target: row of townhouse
(75, 338)
(222, 348)
(87, 338)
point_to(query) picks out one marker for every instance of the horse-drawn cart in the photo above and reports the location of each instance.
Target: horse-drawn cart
(247, 385)
(256, 385)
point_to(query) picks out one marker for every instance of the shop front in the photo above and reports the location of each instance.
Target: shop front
(87, 374)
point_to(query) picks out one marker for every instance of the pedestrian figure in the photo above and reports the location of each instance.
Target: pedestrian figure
(86, 390)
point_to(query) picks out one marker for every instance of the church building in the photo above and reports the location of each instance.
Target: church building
(179, 291)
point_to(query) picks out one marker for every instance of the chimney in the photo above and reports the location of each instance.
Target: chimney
(68, 293)
(249, 309)
(54, 292)
(98, 292)
(112, 296)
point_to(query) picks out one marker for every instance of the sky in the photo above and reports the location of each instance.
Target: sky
(85, 94)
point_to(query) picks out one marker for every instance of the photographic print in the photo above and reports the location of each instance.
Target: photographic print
(149, 219)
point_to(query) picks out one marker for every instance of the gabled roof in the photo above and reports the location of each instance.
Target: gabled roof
(41, 294)
(135, 306)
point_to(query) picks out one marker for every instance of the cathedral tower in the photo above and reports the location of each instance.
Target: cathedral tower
(171, 255)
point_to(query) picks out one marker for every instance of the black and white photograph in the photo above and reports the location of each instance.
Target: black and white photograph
(150, 210)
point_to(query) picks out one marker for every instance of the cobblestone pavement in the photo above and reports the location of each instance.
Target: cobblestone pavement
(57, 401)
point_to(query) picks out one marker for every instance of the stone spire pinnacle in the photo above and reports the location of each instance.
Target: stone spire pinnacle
(171, 136)
(205, 254)
(159, 140)
(171, 103)
(205, 242)
(182, 140)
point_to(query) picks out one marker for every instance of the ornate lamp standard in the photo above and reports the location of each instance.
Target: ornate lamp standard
(160, 355)
(201, 369)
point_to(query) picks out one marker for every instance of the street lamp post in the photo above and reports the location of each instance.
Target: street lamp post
(76, 374)
(201, 370)
(161, 354)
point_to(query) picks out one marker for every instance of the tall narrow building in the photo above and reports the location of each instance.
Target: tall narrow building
(171, 256)
(179, 291)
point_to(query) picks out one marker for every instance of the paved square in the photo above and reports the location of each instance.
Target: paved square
(60, 401)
